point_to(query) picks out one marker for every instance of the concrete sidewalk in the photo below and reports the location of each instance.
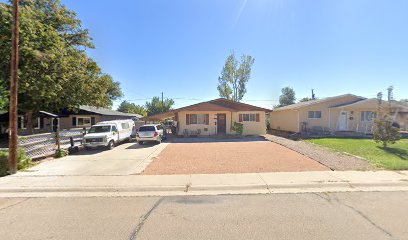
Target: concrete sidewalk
(202, 184)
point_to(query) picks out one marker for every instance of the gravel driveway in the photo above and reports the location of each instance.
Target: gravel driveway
(333, 160)
(230, 157)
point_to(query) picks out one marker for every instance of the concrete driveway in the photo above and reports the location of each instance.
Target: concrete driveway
(125, 159)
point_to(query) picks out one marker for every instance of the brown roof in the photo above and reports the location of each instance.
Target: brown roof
(372, 103)
(220, 104)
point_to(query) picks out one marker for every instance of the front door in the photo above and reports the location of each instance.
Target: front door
(221, 123)
(343, 121)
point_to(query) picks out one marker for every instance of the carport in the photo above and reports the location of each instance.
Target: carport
(161, 117)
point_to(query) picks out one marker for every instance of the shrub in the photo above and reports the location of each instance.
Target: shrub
(23, 161)
(61, 153)
(3, 163)
(385, 131)
(268, 125)
(238, 128)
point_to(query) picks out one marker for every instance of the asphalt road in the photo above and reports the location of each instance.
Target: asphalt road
(369, 215)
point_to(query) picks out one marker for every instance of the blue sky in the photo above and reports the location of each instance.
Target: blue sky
(179, 47)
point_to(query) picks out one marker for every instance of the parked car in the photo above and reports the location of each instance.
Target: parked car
(150, 133)
(108, 133)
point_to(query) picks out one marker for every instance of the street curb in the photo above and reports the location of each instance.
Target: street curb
(202, 190)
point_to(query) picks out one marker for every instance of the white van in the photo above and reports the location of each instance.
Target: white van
(108, 133)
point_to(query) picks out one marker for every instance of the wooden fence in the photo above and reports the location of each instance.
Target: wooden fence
(45, 144)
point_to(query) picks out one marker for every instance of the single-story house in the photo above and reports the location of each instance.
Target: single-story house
(216, 117)
(340, 113)
(84, 117)
(87, 116)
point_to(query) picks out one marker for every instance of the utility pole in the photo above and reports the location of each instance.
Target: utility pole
(13, 137)
(313, 95)
(162, 100)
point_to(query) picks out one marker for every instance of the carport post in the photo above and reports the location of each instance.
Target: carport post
(58, 139)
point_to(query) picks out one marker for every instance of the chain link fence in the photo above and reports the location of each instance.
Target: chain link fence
(43, 145)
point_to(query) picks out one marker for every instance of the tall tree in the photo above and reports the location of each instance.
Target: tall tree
(128, 107)
(55, 71)
(287, 97)
(234, 77)
(156, 105)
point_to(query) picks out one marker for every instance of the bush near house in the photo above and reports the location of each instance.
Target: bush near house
(23, 161)
(238, 128)
(393, 157)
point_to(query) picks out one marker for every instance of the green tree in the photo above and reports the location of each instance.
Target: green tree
(384, 131)
(305, 99)
(404, 101)
(3, 97)
(234, 77)
(156, 106)
(54, 71)
(128, 107)
(287, 97)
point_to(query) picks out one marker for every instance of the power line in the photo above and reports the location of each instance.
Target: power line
(245, 100)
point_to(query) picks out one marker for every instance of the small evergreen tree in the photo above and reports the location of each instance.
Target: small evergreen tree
(384, 131)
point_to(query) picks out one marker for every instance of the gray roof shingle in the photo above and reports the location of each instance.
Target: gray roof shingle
(108, 112)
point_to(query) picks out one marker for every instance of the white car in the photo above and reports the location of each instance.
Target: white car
(150, 133)
(108, 133)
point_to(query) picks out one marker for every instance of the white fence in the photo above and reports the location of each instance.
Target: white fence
(43, 145)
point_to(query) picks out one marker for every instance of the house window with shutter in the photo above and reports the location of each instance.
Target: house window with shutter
(83, 121)
(249, 117)
(197, 119)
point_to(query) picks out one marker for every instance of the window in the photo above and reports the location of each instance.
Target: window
(367, 116)
(125, 125)
(197, 118)
(22, 123)
(315, 114)
(114, 129)
(99, 129)
(147, 129)
(83, 121)
(249, 117)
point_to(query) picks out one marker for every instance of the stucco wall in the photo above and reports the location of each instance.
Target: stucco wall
(284, 120)
(402, 119)
(287, 120)
(250, 128)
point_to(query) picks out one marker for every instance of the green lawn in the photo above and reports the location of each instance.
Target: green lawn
(395, 157)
